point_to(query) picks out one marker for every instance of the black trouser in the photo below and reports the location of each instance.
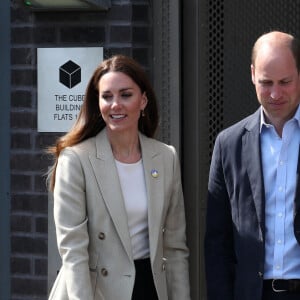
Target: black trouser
(144, 288)
(270, 294)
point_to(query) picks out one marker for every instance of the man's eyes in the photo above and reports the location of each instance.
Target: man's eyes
(270, 83)
(266, 83)
(285, 82)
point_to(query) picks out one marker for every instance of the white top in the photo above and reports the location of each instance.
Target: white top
(133, 186)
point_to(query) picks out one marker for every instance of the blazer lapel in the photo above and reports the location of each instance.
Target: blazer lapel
(107, 177)
(154, 177)
(252, 161)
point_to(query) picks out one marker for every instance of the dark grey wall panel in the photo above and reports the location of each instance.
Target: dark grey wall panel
(4, 150)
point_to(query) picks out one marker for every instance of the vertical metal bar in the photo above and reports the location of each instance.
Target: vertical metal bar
(195, 134)
(167, 68)
(5, 150)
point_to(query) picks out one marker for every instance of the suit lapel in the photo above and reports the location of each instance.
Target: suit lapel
(252, 161)
(107, 177)
(153, 162)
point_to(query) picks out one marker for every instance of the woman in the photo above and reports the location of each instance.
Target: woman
(118, 204)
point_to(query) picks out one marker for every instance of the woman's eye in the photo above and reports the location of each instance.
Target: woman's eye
(126, 95)
(106, 97)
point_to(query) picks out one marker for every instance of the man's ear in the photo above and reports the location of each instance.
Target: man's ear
(253, 74)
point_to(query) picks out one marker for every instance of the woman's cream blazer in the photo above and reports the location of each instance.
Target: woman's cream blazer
(91, 224)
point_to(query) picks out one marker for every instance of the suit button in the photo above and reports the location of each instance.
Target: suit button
(104, 272)
(101, 235)
(163, 266)
(260, 274)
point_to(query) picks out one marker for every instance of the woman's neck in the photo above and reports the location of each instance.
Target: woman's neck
(125, 148)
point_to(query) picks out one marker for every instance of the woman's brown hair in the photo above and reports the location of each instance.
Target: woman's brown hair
(90, 122)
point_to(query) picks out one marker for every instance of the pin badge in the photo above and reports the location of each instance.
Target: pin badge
(154, 173)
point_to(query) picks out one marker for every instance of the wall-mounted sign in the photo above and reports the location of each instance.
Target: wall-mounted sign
(63, 74)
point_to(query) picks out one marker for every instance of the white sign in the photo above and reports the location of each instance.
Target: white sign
(63, 74)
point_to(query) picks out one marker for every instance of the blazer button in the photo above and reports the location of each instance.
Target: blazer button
(101, 235)
(104, 272)
(163, 266)
(260, 274)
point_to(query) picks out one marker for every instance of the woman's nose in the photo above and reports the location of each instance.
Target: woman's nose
(116, 102)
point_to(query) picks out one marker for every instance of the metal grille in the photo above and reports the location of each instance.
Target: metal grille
(165, 100)
(233, 27)
(215, 57)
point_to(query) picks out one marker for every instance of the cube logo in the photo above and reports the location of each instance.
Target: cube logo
(69, 74)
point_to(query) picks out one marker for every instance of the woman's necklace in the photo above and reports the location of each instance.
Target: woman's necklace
(129, 157)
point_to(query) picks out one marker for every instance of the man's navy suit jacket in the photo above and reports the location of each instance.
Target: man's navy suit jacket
(234, 241)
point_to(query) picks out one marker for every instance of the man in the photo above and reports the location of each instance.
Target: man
(251, 252)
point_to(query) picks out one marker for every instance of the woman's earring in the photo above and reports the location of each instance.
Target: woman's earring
(143, 113)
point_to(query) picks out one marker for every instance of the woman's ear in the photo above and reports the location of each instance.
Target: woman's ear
(144, 101)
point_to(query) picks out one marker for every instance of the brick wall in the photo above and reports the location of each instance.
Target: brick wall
(126, 28)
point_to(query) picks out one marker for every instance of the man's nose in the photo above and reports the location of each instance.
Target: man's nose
(276, 92)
